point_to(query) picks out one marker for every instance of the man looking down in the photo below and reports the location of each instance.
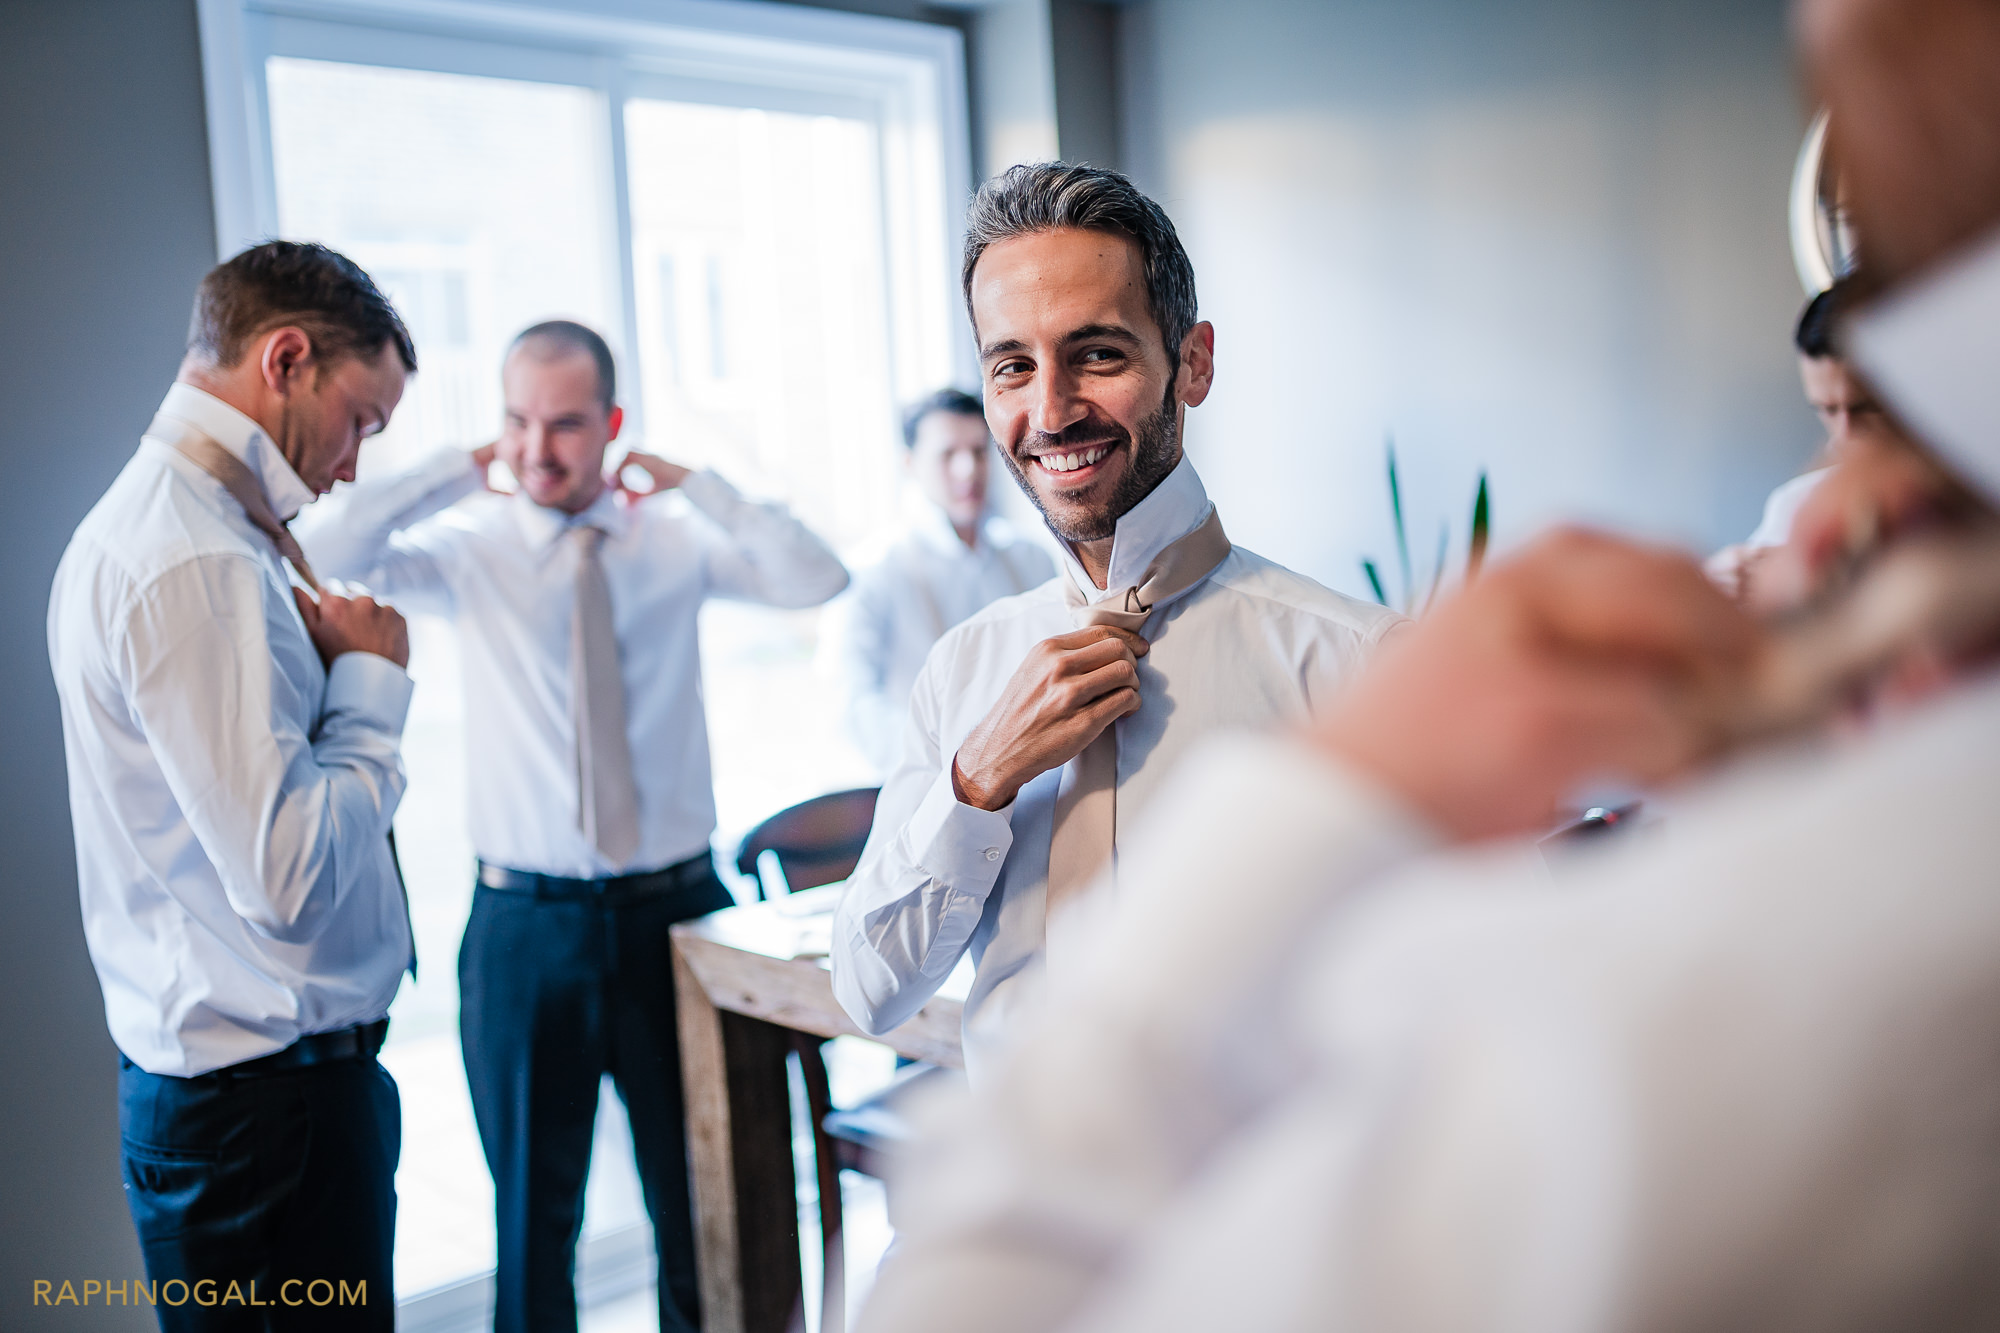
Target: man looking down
(233, 744)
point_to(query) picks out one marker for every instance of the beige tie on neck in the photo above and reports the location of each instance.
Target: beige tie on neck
(241, 483)
(1086, 819)
(607, 792)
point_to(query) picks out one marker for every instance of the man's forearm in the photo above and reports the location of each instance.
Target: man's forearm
(913, 902)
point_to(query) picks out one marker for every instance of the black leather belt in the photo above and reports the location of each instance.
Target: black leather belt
(695, 870)
(359, 1042)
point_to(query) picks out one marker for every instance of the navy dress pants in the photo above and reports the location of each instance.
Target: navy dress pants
(557, 990)
(265, 1200)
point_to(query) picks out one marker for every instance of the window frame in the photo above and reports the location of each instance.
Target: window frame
(907, 79)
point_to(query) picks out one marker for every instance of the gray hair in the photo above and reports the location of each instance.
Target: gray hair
(1043, 196)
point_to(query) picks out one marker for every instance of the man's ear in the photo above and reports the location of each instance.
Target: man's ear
(287, 353)
(1197, 372)
(617, 420)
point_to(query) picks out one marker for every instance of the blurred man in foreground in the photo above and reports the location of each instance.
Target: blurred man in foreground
(1742, 1074)
(954, 557)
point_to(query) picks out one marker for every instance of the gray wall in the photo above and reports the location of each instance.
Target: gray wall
(105, 228)
(1545, 237)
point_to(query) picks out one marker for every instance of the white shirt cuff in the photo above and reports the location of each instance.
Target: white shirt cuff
(369, 688)
(958, 845)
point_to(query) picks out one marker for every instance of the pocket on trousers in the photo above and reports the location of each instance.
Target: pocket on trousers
(168, 1187)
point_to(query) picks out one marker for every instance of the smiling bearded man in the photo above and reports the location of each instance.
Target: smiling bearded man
(1040, 726)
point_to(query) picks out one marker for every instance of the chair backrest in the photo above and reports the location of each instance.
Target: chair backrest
(816, 842)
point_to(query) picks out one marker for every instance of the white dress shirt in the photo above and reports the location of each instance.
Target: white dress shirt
(231, 797)
(430, 540)
(1734, 1071)
(903, 601)
(1252, 645)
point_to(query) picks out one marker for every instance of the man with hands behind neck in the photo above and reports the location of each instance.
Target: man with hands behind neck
(591, 805)
(1039, 726)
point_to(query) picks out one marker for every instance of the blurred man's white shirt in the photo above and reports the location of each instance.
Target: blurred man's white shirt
(1738, 1071)
(904, 596)
(1774, 529)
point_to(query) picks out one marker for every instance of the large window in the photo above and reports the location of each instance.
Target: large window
(756, 205)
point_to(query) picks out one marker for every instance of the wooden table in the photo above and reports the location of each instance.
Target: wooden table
(746, 981)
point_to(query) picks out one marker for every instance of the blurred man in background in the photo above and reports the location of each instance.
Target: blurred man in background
(234, 765)
(953, 557)
(1358, 1059)
(1845, 406)
(591, 805)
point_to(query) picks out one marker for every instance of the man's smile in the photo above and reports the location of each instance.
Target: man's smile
(1077, 467)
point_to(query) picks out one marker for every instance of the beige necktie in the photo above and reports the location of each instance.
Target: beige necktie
(1086, 819)
(607, 794)
(241, 483)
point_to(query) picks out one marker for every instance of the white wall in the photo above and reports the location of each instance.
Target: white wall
(1545, 237)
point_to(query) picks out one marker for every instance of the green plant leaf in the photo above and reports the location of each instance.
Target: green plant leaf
(1375, 581)
(1437, 575)
(1402, 536)
(1482, 524)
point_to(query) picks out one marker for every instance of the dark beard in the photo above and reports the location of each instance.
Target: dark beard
(1152, 459)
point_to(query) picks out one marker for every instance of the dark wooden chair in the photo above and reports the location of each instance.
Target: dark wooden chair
(815, 842)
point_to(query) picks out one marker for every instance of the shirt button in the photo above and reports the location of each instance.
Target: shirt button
(993, 853)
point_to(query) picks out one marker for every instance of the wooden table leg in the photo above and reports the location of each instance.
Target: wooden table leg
(739, 1124)
(833, 1247)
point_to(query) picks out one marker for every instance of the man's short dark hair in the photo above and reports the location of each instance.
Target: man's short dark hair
(1044, 196)
(296, 283)
(955, 401)
(1819, 322)
(554, 338)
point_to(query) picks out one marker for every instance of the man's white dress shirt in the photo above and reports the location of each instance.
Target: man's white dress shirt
(430, 540)
(1741, 1070)
(231, 797)
(1252, 645)
(903, 601)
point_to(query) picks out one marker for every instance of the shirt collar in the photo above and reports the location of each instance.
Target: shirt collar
(246, 439)
(542, 525)
(1176, 507)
